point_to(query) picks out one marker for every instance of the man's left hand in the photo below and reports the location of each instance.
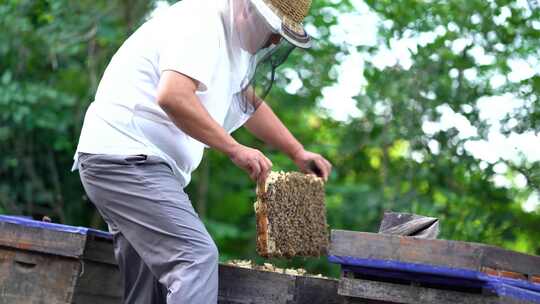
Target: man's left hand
(313, 163)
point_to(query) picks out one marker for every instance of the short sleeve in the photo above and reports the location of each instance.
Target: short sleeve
(192, 50)
(236, 117)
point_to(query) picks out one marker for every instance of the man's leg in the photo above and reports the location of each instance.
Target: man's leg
(145, 202)
(140, 285)
(138, 281)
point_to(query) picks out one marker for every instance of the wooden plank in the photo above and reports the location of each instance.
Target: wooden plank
(451, 254)
(246, 286)
(99, 262)
(408, 224)
(99, 249)
(98, 283)
(42, 240)
(31, 277)
(240, 285)
(96, 299)
(406, 249)
(511, 261)
(11, 299)
(504, 274)
(364, 301)
(408, 294)
(311, 290)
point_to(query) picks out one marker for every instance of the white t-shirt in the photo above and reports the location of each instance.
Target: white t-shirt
(125, 118)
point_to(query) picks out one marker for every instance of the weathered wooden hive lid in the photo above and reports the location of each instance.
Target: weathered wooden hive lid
(51, 238)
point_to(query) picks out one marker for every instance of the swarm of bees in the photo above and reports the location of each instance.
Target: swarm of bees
(294, 206)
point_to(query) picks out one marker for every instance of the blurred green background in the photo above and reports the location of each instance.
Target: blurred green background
(458, 58)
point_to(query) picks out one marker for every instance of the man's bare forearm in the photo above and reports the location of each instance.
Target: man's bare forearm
(186, 111)
(192, 118)
(265, 125)
(176, 96)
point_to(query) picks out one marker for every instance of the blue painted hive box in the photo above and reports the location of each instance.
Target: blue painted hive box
(50, 263)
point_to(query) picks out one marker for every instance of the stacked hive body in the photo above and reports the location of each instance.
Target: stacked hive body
(291, 216)
(60, 264)
(402, 269)
(57, 264)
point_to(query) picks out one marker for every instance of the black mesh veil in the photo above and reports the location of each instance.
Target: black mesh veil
(254, 50)
(257, 84)
(265, 71)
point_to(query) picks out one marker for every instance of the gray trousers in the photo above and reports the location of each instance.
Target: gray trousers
(163, 250)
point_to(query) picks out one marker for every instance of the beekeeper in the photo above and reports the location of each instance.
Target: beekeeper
(182, 83)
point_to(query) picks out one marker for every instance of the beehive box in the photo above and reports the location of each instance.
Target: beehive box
(55, 264)
(239, 285)
(411, 270)
(291, 216)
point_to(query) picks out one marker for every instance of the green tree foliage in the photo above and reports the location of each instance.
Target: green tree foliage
(53, 52)
(450, 183)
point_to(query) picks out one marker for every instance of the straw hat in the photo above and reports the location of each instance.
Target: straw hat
(286, 17)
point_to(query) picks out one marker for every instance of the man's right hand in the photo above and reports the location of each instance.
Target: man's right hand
(252, 161)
